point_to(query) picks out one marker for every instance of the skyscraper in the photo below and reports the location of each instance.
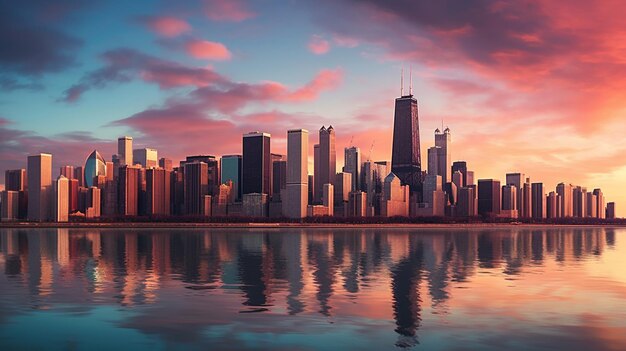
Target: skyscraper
(539, 209)
(279, 179)
(128, 190)
(165, 163)
(509, 201)
(443, 141)
(460, 166)
(196, 187)
(231, 171)
(67, 172)
(395, 200)
(517, 179)
(213, 174)
(296, 201)
(489, 197)
(147, 157)
(125, 151)
(15, 180)
(40, 189)
(600, 203)
(256, 163)
(61, 199)
(352, 165)
(327, 161)
(94, 166)
(406, 159)
(610, 210)
(158, 186)
(567, 203)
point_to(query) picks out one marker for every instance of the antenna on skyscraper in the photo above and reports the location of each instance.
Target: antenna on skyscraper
(402, 81)
(369, 157)
(411, 80)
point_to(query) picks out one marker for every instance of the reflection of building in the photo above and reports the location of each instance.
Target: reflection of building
(405, 276)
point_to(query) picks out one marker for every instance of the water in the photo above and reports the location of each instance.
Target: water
(310, 289)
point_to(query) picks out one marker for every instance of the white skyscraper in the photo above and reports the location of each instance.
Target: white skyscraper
(125, 151)
(61, 199)
(443, 140)
(297, 199)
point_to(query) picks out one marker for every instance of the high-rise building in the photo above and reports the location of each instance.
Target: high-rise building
(592, 205)
(15, 180)
(517, 179)
(443, 141)
(610, 210)
(469, 180)
(79, 173)
(579, 199)
(352, 165)
(40, 189)
(465, 206)
(527, 201)
(158, 186)
(433, 160)
(166, 164)
(296, 199)
(213, 172)
(509, 201)
(600, 203)
(406, 161)
(357, 204)
(93, 203)
(566, 204)
(128, 190)
(395, 200)
(327, 162)
(67, 172)
(255, 205)
(328, 198)
(256, 163)
(457, 179)
(343, 187)
(315, 188)
(196, 187)
(72, 194)
(460, 166)
(61, 206)
(273, 158)
(95, 166)
(125, 151)
(147, 157)
(231, 171)
(10, 204)
(489, 197)
(279, 179)
(552, 208)
(538, 201)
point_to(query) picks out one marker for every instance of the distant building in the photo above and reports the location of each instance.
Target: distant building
(166, 164)
(460, 166)
(10, 203)
(326, 163)
(196, 187)
(296, 199)
(256, 163)
(343, 186)
(518, 179)
(527, 202)
(128, 190)
(357, 204)
(328, 198)
(125, 151)
(610, 210)
(40, 189)
(579, 199)
(352, 161)
(405, 156)
(592, 205)
(457, 179)
(489, 197)
(539, 201)
(61, 206)
(231, 171)
(443, 141)
(600, 203)
(212, 170)
(552, 205)
(465, 206)
(15, 180)
(509, 201)
(566, 204)
(93, 202)
(67, 172)
(279, 179)
(395, 201)
(255, 205)
(158, 192)
(146, 157)
(95, 166)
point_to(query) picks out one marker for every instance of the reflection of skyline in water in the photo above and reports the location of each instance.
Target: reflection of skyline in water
(389, 276)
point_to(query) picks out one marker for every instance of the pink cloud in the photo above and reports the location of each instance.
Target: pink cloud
(318, 45)
(167, 26)
(204, 49)
(325, 80)
(227, 10)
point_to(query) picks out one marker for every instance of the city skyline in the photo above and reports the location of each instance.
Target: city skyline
(502, 98)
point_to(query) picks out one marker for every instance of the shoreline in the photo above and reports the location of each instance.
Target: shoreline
(147, 225)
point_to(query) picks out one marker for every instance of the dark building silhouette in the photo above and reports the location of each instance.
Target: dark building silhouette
(196, 187)
(460, 166)
(489, 197)
(256, 173)
(406, 158)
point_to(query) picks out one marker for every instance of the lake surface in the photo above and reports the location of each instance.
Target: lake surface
(313, 289)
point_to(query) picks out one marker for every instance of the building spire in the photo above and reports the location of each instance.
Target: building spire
(402, 82)
(411, 80)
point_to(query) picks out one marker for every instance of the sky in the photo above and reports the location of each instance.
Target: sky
(525, 86)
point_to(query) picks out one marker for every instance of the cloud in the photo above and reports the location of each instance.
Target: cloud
(204, 49)
(31, 45)
(227, 10)
(124, 64)
(318, 45)
(166, 26)
(325, 80)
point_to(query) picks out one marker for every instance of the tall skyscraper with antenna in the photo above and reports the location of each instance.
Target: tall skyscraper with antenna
(406, 158)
